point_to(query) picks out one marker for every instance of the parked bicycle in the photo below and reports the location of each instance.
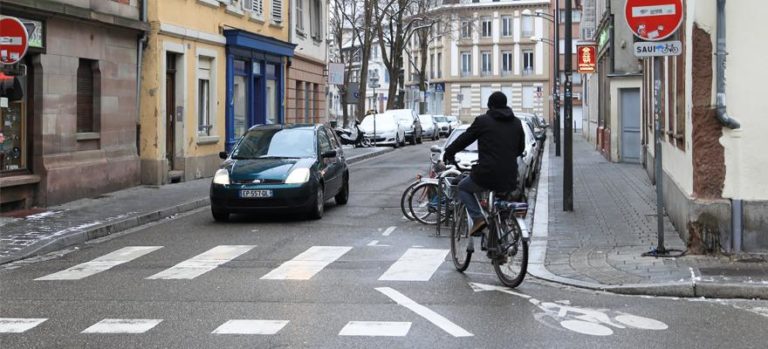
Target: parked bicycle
(505, 238)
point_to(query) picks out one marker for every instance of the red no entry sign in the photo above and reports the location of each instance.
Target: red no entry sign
(13, 40)
(653, 20)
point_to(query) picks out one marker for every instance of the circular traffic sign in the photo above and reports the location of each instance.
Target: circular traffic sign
(13, 40)
(653, 20)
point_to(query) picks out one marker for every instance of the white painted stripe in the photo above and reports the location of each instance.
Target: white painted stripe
(122, 326)
(376, 328)
(308, 263)
(416, 264)
(431, 316)
(203, 263)
(373, 243)
(653, 10)
(18, 325)
(388, 231)
(251, 327)
(105, 262)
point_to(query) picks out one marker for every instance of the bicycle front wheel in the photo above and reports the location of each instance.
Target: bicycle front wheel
(512, 262)
(461, 242)
(404, 201)
(423, 203)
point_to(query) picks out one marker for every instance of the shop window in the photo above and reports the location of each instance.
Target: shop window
(13, 124)
(528, 97)
(87, 96)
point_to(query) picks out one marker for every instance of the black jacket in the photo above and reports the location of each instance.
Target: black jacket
(500, 140)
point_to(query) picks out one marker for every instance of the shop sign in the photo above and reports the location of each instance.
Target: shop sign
(586, 58)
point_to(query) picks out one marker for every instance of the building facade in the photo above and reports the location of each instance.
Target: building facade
(306, 86)
(374, 100)
(712, 136)
(612, 109)
(70, 128)
(478, 47)
(212, 69)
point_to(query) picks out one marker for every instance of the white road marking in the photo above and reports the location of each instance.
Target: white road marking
(586, 327)
(388, 231)
(415, 264)
(376, 244)
(641, 322)
(122, 326)
(478, 287)
(308, 263)
(251, 327)
(18, 325)
(431, 316)
(203, 263)
(105, 262)
(376, 328)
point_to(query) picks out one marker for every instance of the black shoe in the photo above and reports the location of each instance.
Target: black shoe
(477, 226)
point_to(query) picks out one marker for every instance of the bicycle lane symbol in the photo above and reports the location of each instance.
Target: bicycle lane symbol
(594, 322)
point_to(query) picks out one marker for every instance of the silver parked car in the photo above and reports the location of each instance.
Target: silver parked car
(443, 125)
(429, 127)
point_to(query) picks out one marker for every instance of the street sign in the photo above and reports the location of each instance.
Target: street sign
(653, 20)
(13, 40)
(586, 58)
(336, 73)
(658, 48)
(353, 93)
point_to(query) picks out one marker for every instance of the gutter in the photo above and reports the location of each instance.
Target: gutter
(722, 114)
(142, 41)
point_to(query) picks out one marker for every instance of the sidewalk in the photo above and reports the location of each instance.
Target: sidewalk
(599, 244)
(58, 227)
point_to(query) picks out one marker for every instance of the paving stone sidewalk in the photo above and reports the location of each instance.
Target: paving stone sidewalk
(614, 223)
(54, 228)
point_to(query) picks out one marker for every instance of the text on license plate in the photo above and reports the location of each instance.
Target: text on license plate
(255, 193)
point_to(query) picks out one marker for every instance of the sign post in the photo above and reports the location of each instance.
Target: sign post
(653, 21)
(14, 40)
(373, 82)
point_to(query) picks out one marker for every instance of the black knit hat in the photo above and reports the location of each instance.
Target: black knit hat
(497, 100)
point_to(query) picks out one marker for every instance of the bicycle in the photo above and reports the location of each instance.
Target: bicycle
(408, 192)
(433, 196)
(505, 237)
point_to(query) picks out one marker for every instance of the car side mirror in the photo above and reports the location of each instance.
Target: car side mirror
(435, 149)
(329, 154)
(223, 155)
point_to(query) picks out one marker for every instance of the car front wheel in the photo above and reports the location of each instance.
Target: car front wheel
(316, 211)
(343, 196)
(220, 215)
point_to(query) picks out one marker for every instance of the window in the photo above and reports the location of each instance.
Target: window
(576, 79)
(204, 96)
(466, 97)
(258, 8)
(277, 11)
(527, 62)
(439, 65)
(487, 66)
(87, 96)
(299, 100)
(506, 26)
(528, 92)
(466, 29)
(527, 26)
(316, 20)
(485, 94)
(575, 16)
(300, 16)
(466, 64)
(486, 27)
(431, 65)
(308, 94)
(507, 91)
(506, 63)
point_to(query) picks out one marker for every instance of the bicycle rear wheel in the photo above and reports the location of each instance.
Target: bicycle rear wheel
(512, 263)
(423, 203)
(461, 242)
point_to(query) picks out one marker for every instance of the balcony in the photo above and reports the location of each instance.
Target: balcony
(528, 71)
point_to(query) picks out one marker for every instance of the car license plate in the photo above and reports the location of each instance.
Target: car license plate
(255, 194)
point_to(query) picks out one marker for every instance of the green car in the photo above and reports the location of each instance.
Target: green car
(281, 168)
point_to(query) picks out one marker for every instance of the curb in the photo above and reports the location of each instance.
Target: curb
(538, 252)
(112, 227)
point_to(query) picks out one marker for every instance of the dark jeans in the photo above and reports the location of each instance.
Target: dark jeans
(467, 189)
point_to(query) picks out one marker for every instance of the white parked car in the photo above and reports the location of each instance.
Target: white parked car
(429, 126)
(453, 121)
(408, 119)
(443, 125)
(387, 130)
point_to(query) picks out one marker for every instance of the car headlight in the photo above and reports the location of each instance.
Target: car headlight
(221, 177)
(298, 176)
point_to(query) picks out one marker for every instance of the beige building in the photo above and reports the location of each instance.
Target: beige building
(212, 68)
(306, 86)
(476, 48)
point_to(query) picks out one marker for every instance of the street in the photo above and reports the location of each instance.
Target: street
(361, 277)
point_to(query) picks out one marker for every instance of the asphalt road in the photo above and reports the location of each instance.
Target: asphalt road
(346, 281)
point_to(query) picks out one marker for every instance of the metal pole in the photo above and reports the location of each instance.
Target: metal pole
(556, 128)
(568, 146)
(375, 111)
(660, 249)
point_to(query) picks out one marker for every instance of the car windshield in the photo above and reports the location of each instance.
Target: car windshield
(425, 119)
(383, 122)
(276, 143)
(440, 119)
(455, 134)
(451, 118)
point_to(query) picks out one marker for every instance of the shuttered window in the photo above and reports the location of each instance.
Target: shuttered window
(87, 113)
(258, 8)
(277, 11)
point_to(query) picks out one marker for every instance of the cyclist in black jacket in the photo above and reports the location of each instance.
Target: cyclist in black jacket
(500, 140)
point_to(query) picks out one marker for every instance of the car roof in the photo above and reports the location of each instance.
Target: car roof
(285, 126)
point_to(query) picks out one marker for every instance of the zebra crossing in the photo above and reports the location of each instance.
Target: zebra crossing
(230, 327)
(415, 264)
